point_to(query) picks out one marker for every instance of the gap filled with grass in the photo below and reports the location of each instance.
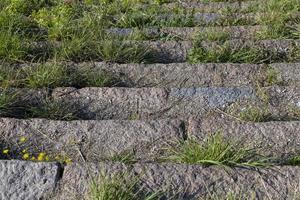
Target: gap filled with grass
(52, 74)
(119, 187)
(216, 150)
(17, 104)
(222, 52)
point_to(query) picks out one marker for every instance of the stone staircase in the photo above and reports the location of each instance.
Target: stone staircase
(129, 126)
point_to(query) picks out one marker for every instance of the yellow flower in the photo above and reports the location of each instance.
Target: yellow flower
(24, 150)
(68, 161)
(5, 151)
(41, 156)
(22, 139)
(32, 158)
(47, 158)
(26, 156)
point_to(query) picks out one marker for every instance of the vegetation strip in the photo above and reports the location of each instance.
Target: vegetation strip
(102, 74)
(83, 38)
(158, 178)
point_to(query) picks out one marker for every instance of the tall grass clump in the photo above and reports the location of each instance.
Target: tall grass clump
(215, 150)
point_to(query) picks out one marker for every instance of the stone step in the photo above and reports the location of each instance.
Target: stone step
(171, 51)
(91, 141)
(188, 182)
(274, 139)
(198, 75)
(123, 103)
(144, 141)
(181, 74)
(188, 33)
(28, 180)
(177, 51)
(281, 103)
(203, 6)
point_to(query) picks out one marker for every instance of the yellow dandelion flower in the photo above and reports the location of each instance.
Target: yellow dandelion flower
(47, 158)
(26, 156)
(68, 161)
(24, 151)
(33, 158)
(22, 139)
(41, 156)
(5, 151)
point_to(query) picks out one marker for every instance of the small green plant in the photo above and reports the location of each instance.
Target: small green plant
(96, 45)
(225, 53)
(294, 160)
(280, 18)
(48, 76)
(96, 79)
(12, 46)
(53, 109)
(118, 187)
(272, 77)
(57, 20)
(126, 157)
(245, 53)
(254, 114)
(212, 35)
(216, 150)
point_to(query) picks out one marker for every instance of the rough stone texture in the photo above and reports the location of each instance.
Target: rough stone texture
(172, 51)
(95, 140)
(188, 33)
(288, 72)
(27, 180)
(214, 6)
(183, 74)
(275, 103)
(122, 103)
(278, 139)
(191, 181)
(153, 103)
(285, 101)
(168, 52)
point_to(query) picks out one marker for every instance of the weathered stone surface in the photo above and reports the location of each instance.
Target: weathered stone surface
(27, 180)
(273, 103)
(154, 103)
(172, 51)
(183, 74)
(168, 52)
(214, 6)
(287, 72)
(91, 140)
(191, 181)
(279, 139)
(122, 103)
(188, 33)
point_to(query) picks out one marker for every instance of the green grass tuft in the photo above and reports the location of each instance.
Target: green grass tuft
(48, 76)
(216, 150)
(254, 114)
(53, 109)
(294, 160)
(118, 187)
